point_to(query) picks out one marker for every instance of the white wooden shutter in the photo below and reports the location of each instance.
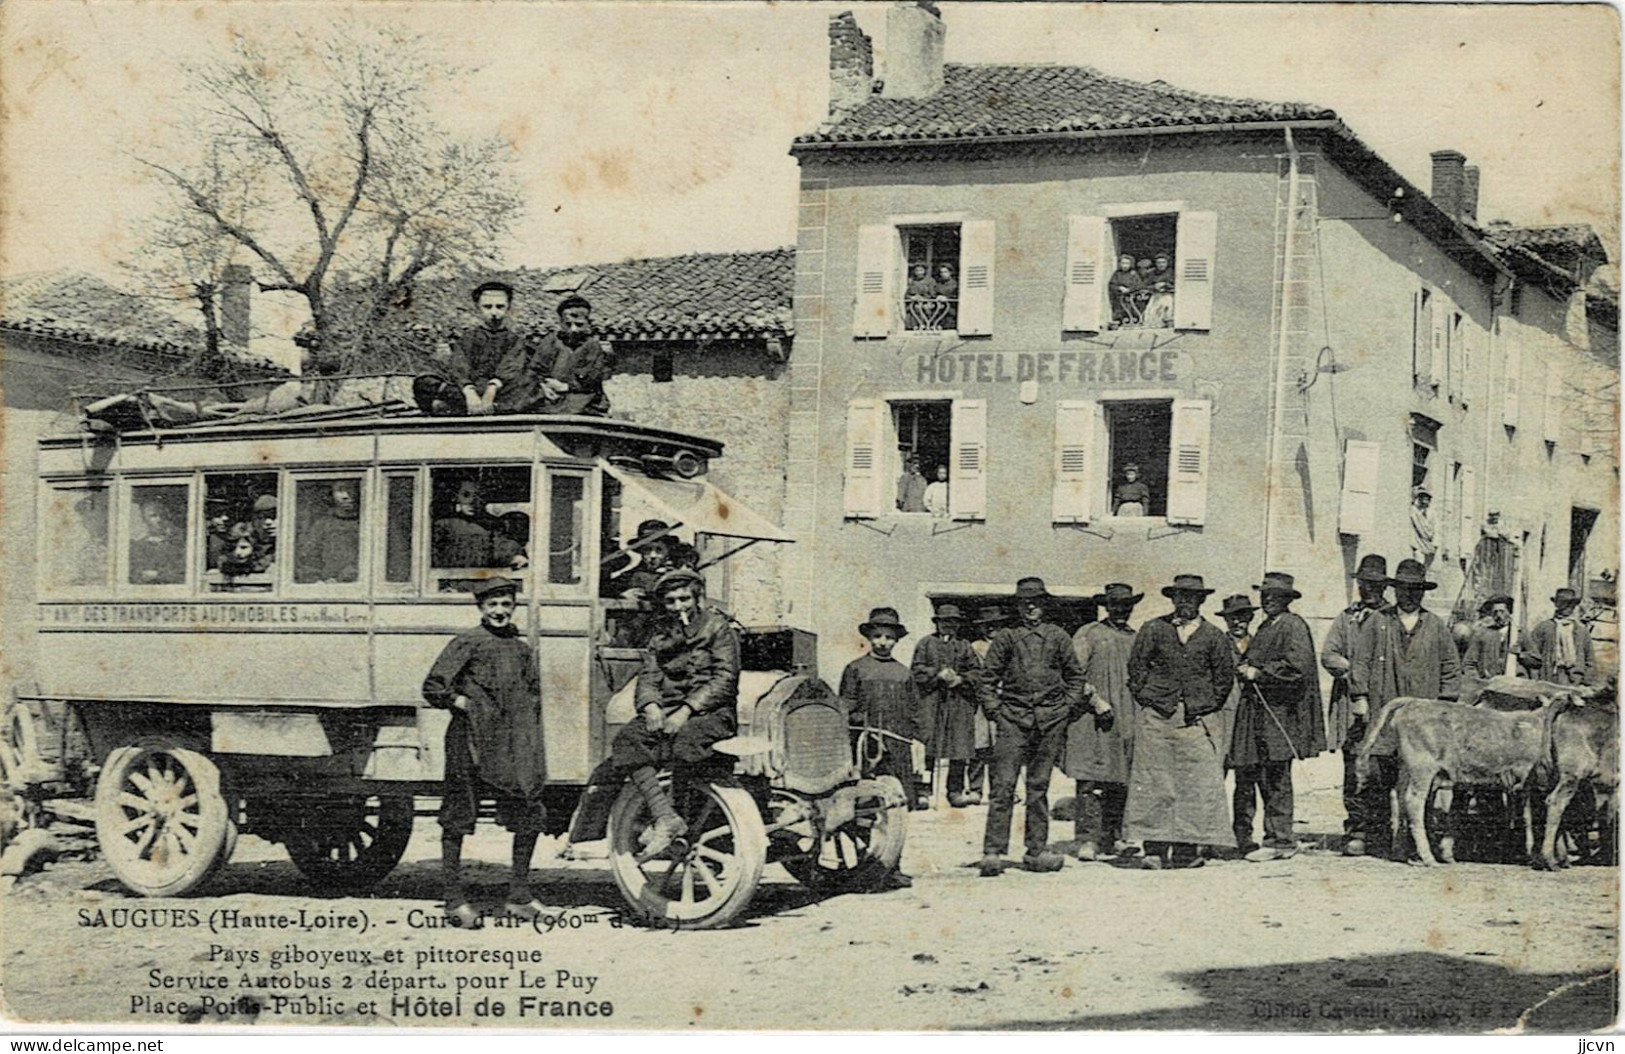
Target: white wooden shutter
(866, 469)
(1443, 510)
(967, 473)
(1436, 349)
(1554, 403)
(976, 278)
(877, 262)
(1469, 511)
(1419, 329)
(1357, 505)
(1087, 269)
(1469, 353)
(1187, 461)
(1511, 385)
(1453, 337)
(1075, 454)
(1195, 242)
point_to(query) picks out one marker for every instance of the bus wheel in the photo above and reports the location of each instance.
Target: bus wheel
(708, 876)
(161, 820)
(19, 747)
(351, 842)
(854, 857)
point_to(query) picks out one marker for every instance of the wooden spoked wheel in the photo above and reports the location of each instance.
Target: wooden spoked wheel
(351, 843)
(161, 820)
(705, 879)
(856, 856)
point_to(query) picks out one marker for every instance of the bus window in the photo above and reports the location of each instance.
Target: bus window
(239, 526)
(567, 513)
(74, 528)
(400, 490)
(158, 534)
(327, 530)
(481, 523)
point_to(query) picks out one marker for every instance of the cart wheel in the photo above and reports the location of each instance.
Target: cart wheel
(707, 877)
(351, 843)
(160, 818)
(19, 747)
(854, 857)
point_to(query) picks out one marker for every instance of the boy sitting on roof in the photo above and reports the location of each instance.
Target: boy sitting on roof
(571, 365)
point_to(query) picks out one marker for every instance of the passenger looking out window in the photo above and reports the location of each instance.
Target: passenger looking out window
(75, 520)
(462, 537)
(239, 530)
(480, 521)
(158, 535)
(328, 540)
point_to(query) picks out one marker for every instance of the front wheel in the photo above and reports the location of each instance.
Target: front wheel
(856, 856)
(707, 877)
(161, 820)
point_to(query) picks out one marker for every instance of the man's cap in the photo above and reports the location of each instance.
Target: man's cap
(1278, 582)
(1031, 588)
(990, 616)
(1489, 604)
(1118, 593)
(1373, 568)
(1186, 584)
(489, 587)
(573, 301)
(947, 611)
(651, 528)
(678, 576)
(491, 287)
(1418, 491)
(883, 618)
(265, 503)
(1411, 574)
(1236, 605)
(1564, 595)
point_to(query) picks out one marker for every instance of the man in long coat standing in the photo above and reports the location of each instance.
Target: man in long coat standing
(1401, 651)
(1180, 671)
(1098, 758)
(1344, 731)
(1278, 720)
(1559, 648)
(945, 668)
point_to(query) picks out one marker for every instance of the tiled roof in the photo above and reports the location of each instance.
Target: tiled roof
(1578, 237)
(989, 100)
(725, 296)
(83, 309)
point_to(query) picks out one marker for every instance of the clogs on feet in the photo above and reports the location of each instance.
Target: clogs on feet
(463, 915)
(1043, 862)
(991, 866)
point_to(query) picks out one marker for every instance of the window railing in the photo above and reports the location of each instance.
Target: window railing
(1143, 309)
(930, 314)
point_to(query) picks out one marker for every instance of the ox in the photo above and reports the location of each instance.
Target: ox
(1584, 750)
(1445, 743)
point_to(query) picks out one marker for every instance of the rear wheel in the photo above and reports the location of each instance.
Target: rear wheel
(856, 856)
(707, 877)
(351, 843)
(19, 747)
(161, 820)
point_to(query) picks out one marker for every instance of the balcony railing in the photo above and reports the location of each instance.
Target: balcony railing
(1144, 309)
(930, 314)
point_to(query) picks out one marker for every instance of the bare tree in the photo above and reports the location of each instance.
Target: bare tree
(317, 155)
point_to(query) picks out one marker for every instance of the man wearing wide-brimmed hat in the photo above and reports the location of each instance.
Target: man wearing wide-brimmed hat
(1238, 612)
(1099, 757)
(1343, 730)
(1402, 650)
(1278, 720)
(1559, 648)
(1180, 672)
(945, 669)
(1031, 687)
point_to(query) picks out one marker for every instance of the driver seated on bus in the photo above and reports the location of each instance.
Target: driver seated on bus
(686, 695)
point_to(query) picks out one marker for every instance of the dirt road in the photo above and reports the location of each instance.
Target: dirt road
(1316, 943)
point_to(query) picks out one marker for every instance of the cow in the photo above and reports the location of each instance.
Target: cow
(1446, 743)
(1521, 693)
(1584, 749)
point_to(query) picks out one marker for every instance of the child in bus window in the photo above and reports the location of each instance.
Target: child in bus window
(509, 543)
(463, 538)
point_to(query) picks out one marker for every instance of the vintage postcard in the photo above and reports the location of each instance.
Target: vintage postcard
(652, 515)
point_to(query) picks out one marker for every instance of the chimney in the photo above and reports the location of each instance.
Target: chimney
(1449, 181)
(236, 283)
(914, 35)
(1469, 197)
(851, 64)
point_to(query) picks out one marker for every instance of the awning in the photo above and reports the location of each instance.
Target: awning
(699, 506)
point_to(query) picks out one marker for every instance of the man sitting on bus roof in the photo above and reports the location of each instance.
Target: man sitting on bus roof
(686, 695)
(488, 362)
(571, 365)
(489, 680)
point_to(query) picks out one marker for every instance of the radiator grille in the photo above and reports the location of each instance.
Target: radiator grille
(815, 741)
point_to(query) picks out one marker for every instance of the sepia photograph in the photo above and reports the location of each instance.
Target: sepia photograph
(636, 515)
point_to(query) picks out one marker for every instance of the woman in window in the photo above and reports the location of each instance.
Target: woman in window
(936, 494)
(1159, 312)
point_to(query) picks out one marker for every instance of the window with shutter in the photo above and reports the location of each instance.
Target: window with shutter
(967, 472)
(1436, 345)
(976, 254)
(865, 465)
(877, 253)
(1087, 266)
(1076, 422)
(1357, 505)
(1419, 331)
(1194, 255)
(1469, 511)
(1510, 385)
(1188, 461)
(1553, 411)
(1454, 355)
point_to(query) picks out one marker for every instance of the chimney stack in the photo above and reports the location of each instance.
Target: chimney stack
(236, 284)
(914, 36)
(851, 64)
(1449, 181)
(1469, 198)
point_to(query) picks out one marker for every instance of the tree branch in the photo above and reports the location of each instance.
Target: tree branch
(203, 204)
